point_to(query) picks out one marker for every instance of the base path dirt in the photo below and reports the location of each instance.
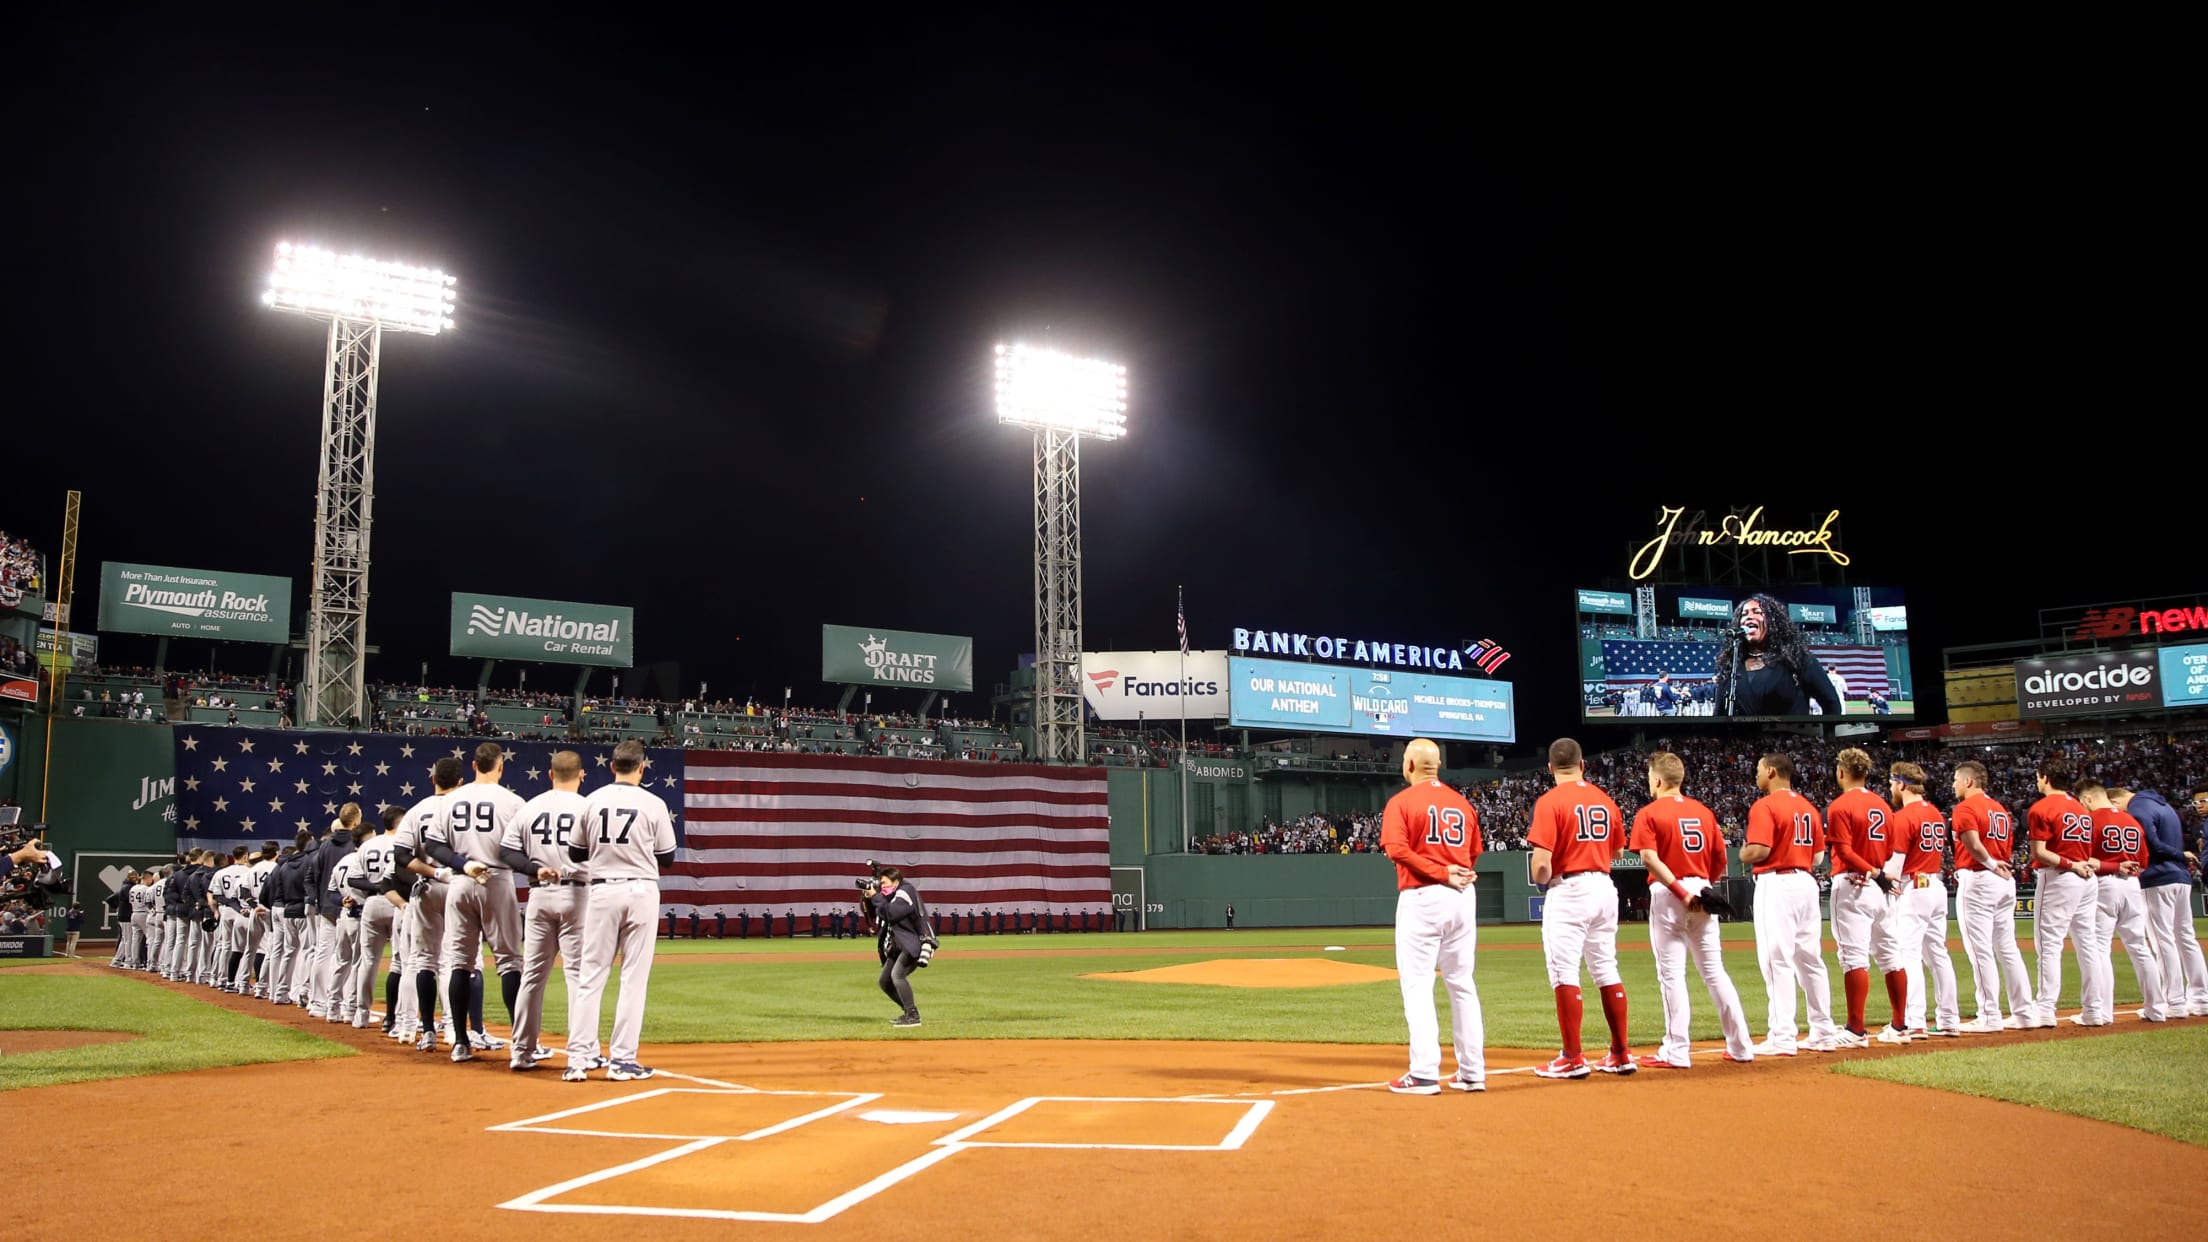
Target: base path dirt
(1020, 1138)
(15, 1043)
(1257, 972)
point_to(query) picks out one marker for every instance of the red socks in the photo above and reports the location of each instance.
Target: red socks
(1613, 1012)
(1568, 1013)
(1897, 994)
(1859, 991)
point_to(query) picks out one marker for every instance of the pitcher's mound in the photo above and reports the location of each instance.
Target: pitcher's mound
(15, 1042)
(1284, 972)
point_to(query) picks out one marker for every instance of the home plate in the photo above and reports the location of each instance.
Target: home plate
(898, 1117)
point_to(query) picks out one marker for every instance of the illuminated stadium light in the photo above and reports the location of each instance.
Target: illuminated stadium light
(401, 297)
(358, 297)
(1051, 391)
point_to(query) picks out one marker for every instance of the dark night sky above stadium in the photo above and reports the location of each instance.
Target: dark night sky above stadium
(1418, 336)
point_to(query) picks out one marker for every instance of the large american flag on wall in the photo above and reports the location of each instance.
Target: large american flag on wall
(245, 786)
(781, 832)
(1633, 663)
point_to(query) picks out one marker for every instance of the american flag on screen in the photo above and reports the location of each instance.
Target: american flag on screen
(244, 786)
(783, 832)
(1629, 664)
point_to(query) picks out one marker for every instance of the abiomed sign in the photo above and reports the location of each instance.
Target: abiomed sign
(194, 603)
(501, 627)
(896, 658)
(1735, 529)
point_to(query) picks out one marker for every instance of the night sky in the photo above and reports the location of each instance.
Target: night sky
(1419, 333)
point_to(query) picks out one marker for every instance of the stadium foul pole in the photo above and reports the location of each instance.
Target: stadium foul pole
(360, 298)
(1064, 400)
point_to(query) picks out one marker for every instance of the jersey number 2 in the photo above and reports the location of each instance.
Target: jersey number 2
(1444, 826)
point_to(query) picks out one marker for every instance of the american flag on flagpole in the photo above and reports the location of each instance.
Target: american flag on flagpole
(1180, 620)
(782, 831)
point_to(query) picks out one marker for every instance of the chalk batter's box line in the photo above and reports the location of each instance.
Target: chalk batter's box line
(534, 1125)
(943, 1149)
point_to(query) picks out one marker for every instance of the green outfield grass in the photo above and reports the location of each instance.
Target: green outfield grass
(1038, 992)
(177, 1032)
(2148, 1080)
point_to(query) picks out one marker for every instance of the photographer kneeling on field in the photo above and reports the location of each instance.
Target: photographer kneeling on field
(907, 937)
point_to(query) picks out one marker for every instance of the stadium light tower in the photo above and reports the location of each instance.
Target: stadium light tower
(1063, 399)
(360, 297)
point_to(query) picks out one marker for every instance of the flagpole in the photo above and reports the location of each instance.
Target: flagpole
(1180, 615)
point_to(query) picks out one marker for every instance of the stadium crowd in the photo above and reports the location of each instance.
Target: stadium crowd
(1722, 773)
(22, 570)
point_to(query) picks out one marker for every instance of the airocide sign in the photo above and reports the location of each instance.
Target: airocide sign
(1150, 685)
(194, 603)
(502, 627)
(896, 658)
(2088, 684)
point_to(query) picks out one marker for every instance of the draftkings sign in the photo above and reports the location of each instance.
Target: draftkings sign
(896, 658)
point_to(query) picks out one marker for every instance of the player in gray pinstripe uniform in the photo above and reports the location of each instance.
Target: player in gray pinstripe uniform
(628, 840)
(535, 845)
(427, 909)
(464, 836)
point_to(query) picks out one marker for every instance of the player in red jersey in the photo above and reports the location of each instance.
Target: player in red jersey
(1433, 836)
(1680, 844)
(1920, 912)
(1786, 837)
(1985, 903)
(1862, 895)
(2119, 855)
(2062, 852)
(1576, 832)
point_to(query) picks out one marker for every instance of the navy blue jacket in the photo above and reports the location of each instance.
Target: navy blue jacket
(335, 850)
(2165, 840)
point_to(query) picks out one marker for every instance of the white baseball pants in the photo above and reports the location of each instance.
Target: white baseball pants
(2177, 947)
(2065, 909)
(1579, 922)
(2122, 916)
(622, 918)
(1676, 933)
(377, 919)
(1863, 926)
(1920, 909)
(1790, 951)
(1437, 926)
(1985, 905)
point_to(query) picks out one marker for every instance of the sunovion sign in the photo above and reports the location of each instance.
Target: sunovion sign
(501, 627)
(1150, 685)
(1485, 655)
(194, 603)
(2087, 684)
(896, 658)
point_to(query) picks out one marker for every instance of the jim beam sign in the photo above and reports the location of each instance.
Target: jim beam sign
(1674, 529)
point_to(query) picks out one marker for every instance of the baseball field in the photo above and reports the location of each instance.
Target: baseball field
(1171, 1084)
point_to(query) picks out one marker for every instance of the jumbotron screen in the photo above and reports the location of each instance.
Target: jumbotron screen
(1333, 698)
(1797, 653)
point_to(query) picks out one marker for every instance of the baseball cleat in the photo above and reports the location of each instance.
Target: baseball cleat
(2035, 1024)
(1769, 1049)
(461, 1052)
(1458, 1082)
(1893, 1035)
(1825, 1043)
(1563, 1067)
(627, 1071)
(2012, 1023)
(1618, 1063)
(1728, 1056)
(2079, 1019)
(427, 1043)
(1649, 1060)
(1942, 1032)
(1407, 1085)
(575, 1073)
(486, 1042)
(1981, 1026)
(522, 1064)
(540, 1053)
(905, 1019)
(1851, 1039)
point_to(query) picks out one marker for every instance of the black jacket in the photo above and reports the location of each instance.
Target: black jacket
(903, 918)
(1775, 689)
(320, 865)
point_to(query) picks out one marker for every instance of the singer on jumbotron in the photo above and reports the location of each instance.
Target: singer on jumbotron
(1776, 674)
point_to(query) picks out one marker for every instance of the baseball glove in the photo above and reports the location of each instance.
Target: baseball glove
(1715, 904)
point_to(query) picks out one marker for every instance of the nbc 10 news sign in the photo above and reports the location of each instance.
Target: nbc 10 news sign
(2089, 683)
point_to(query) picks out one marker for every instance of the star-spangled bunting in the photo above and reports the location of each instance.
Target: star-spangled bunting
(219, 801)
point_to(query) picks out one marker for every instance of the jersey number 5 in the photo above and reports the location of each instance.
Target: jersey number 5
(605, 825)
(1444, 826)
(1690, 835)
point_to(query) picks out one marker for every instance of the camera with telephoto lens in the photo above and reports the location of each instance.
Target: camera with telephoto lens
(873, 878)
